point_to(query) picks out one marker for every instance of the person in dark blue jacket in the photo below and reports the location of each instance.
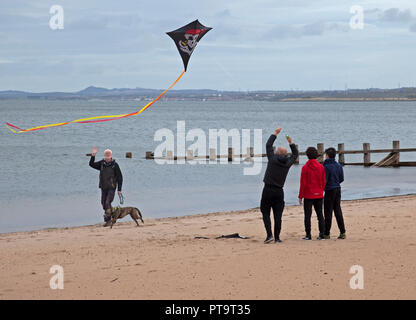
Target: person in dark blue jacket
(332, 198)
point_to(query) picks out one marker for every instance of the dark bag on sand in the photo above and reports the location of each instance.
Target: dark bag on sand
(228, 236)
(233, 235)
(108, 176)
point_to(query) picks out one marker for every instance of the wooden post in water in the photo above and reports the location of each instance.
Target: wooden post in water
(341, 156)
(230, 154)
(189, 154)
(297, 159)
(250, 152)
(149, 155)
(129, 155)
(396, 146)
(367, 154)
(212, 155)
(321, 151)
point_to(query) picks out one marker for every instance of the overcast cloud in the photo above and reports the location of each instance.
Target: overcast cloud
(254, 45)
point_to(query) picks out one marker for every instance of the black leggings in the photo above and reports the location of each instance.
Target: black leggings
(332, 203)
(272, 197)
(307, 207)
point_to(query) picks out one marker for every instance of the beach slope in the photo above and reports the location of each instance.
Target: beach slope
(163, 260)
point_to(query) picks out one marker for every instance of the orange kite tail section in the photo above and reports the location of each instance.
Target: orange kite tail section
(16, 129)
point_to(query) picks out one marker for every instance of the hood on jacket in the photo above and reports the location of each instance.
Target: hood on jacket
(282, 159)
(312, 180)
(313, 164)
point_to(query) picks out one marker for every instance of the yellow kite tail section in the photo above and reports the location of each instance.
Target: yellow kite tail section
(16, 129)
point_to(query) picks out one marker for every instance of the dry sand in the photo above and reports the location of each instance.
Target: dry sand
(162, 260)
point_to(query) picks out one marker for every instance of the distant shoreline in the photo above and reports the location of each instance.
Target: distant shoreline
(143, 94)
(171, 99)
(346, 99)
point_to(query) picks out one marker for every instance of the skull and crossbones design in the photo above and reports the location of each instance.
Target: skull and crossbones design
(191, 40)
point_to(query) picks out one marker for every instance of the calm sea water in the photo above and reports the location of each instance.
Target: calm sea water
(46, 181)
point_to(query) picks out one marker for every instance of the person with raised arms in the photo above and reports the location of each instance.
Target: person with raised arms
(278, 166)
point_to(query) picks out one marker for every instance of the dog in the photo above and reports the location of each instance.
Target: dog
(119, 213)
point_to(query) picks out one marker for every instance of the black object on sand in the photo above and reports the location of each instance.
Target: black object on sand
(228, 236)
(233, 235)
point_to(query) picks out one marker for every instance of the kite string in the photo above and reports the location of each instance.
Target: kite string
(93, 119)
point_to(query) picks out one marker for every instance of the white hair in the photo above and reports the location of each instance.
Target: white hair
(108, 150)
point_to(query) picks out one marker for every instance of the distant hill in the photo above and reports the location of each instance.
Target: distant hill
(207, 94)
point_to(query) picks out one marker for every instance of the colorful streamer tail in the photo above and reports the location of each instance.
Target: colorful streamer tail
(16, 129)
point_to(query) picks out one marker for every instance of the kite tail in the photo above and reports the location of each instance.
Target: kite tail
(16, 129)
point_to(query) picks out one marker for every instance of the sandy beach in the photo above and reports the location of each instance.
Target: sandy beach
(163, 260)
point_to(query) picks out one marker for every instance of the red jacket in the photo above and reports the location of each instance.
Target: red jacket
(312, 180)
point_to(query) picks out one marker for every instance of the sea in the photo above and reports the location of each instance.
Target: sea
(46, 181)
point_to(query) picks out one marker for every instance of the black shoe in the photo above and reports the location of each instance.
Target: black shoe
(268, 239)
(107, 223)
(277, 241)
(320, 237)
(307, 237)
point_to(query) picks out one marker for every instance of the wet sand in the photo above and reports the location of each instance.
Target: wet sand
(162, 259)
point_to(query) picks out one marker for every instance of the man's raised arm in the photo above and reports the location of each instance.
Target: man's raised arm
(93, 164)
(295, 152)
(269, 143)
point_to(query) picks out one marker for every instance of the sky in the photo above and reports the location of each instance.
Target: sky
(254, 45)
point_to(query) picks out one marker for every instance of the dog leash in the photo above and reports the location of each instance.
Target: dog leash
(121, 197)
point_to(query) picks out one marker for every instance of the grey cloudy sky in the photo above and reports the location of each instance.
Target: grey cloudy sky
(254, 45)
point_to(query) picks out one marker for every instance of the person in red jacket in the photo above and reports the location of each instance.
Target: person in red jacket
(312, 186)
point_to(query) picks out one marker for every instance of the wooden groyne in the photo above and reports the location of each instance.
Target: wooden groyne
(392, 159)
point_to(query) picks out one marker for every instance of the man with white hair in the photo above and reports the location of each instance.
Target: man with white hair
(110, 179)
(272, 197)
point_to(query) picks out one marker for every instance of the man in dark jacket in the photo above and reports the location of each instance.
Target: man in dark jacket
(110, 179)
(278, 167)
(332, 199)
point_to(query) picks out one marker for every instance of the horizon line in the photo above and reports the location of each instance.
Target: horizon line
(206, 89)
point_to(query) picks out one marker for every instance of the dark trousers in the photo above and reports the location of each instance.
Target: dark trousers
(332, 203)
(307, 207)
(272, 198)
(107, 196)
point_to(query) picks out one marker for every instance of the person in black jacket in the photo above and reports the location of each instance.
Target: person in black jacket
(110, 179)
(332, 199)
(278, 167)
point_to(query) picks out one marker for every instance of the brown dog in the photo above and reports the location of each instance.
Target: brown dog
(119, 213)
